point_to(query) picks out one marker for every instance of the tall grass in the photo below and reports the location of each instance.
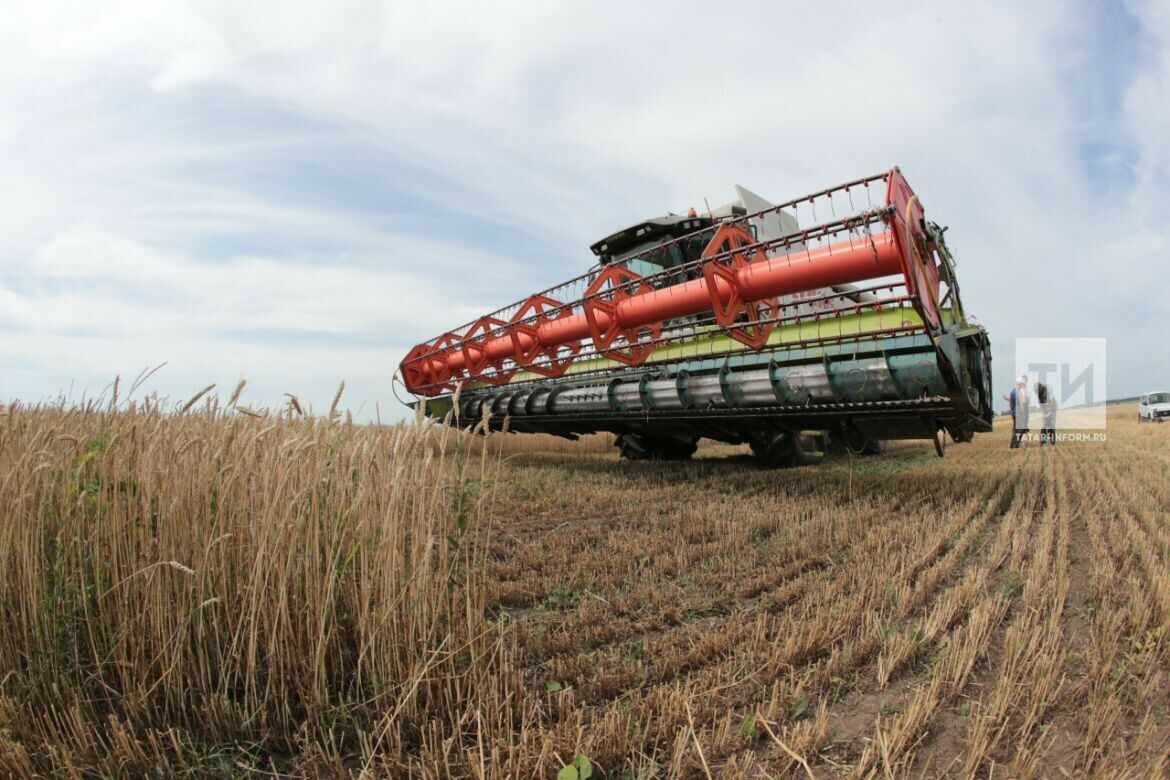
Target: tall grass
(224, 592)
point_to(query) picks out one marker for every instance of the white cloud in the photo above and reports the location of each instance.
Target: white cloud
(98, 304)
(98, 281)
(136, 140)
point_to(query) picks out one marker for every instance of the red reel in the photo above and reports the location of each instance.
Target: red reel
(475, 355)
(614, 284)
(536, 309)
(747, 323)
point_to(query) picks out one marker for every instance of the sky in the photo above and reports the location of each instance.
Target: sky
(297, 193)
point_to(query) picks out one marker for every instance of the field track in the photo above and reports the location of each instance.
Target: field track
(236, 594)
(992, 612)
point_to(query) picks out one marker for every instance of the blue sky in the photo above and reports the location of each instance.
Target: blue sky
(297, 193)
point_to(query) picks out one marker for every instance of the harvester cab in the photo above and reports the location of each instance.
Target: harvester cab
(737, 324)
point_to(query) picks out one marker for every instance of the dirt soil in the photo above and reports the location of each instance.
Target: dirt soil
(895, 615)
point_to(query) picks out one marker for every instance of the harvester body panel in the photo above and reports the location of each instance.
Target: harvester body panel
(739, 325)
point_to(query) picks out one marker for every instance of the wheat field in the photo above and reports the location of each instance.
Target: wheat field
(209, 590)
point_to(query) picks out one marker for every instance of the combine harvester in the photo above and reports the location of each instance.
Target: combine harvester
(737, 325)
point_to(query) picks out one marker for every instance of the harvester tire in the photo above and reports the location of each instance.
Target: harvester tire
(636, 446)
(789, 450)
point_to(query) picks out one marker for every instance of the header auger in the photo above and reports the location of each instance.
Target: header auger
(736, 325)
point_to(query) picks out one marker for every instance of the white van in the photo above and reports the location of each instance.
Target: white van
(1154, 407)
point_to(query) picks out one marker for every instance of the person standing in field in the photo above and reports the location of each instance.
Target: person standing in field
(1018, 401)
(1047, 402)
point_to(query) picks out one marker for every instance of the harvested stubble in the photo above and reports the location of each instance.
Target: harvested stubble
(232, 593)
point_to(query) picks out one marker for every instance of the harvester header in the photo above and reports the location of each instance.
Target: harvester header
(738, 325)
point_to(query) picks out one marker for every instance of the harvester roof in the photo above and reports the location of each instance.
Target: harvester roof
(647, 231)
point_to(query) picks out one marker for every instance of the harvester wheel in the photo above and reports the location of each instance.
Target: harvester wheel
(636, 446)
(789, 450)
(861, 445)
(962, 435)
